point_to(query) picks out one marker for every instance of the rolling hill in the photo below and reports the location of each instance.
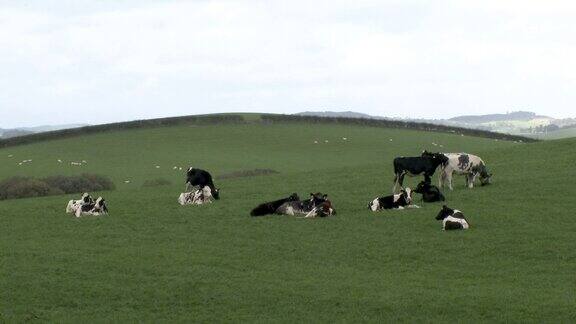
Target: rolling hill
(153, 260)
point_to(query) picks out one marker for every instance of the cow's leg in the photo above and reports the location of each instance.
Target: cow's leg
(441, 177)
(427, 178)
(449, 179)
(398, 179)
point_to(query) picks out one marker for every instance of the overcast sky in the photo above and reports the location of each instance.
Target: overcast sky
(80, 61)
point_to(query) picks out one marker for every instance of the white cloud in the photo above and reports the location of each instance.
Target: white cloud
(395, 58)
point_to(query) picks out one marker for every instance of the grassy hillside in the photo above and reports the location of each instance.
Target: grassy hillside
(153, 260)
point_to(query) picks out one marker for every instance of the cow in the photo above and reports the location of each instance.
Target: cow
(322, 210)
(467, 164)
(429, 192)
(302, 206)
(86, 199)
(397, 201)
(272, 206)
(413, 166)
(452, 219)
(97, 208)
(200, 178)
(197, 197)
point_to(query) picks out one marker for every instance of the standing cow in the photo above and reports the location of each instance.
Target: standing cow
(198, 178)
(467, 164)
(413, 166)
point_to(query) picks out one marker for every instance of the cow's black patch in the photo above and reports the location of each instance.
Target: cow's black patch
(463, 161)
(453, 226)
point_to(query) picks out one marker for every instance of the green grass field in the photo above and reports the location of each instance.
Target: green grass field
(152, 260)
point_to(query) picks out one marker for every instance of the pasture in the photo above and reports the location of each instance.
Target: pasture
(153, 260)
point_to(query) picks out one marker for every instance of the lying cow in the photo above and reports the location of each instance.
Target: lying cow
(198, 178)
(397, 201)
(452, 219)
(467, 164)
(95, 209)
(272, 206)
(323, 210)
(302, 207)
(413, 166)
(429, 192)
(197, 197)
(86, 199)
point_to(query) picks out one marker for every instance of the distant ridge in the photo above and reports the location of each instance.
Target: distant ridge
(524, 123)
(344, 114)
(479, 119)
(22, 131)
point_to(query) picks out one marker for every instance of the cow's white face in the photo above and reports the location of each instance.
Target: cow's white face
(408, 192)
(374, 205)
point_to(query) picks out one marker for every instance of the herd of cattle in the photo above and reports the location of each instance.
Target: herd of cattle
(200, 189)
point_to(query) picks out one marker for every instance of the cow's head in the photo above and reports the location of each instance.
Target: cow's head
(317, 198)
(374, 205)
(422, 187)
(485, 176)
(444, 212)
(438, 158)
(294, 197)
(87, 199)
(216, 193)
(407, 194)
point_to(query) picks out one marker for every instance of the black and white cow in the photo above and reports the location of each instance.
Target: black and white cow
(73, 205)
(413, 166)
(198, 178)
(324, 209)
(452, 219)
(272, 206)
(429, 192)
(469, 165)
(397, 201)
(197, 197)
(97, 208)
(302, 207)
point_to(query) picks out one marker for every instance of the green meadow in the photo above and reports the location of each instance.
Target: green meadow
(152, 260)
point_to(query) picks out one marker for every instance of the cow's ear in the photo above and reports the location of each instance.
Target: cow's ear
(325, 196)
(311, 194)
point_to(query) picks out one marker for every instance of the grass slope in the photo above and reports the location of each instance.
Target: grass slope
(153, 260)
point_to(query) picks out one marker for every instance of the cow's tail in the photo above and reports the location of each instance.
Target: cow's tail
(261, 210)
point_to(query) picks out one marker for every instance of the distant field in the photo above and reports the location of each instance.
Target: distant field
(559, 134)
(152, 260)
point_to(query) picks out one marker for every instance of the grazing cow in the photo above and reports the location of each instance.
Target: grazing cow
(272, 206)
(86, 199)
(323, 210)
(398, 201)
(95, 209)
(302, 206)
(200, 178)
(452, 219)
(197, 197)
(467, 164)
(413, 166)
(429, 192)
